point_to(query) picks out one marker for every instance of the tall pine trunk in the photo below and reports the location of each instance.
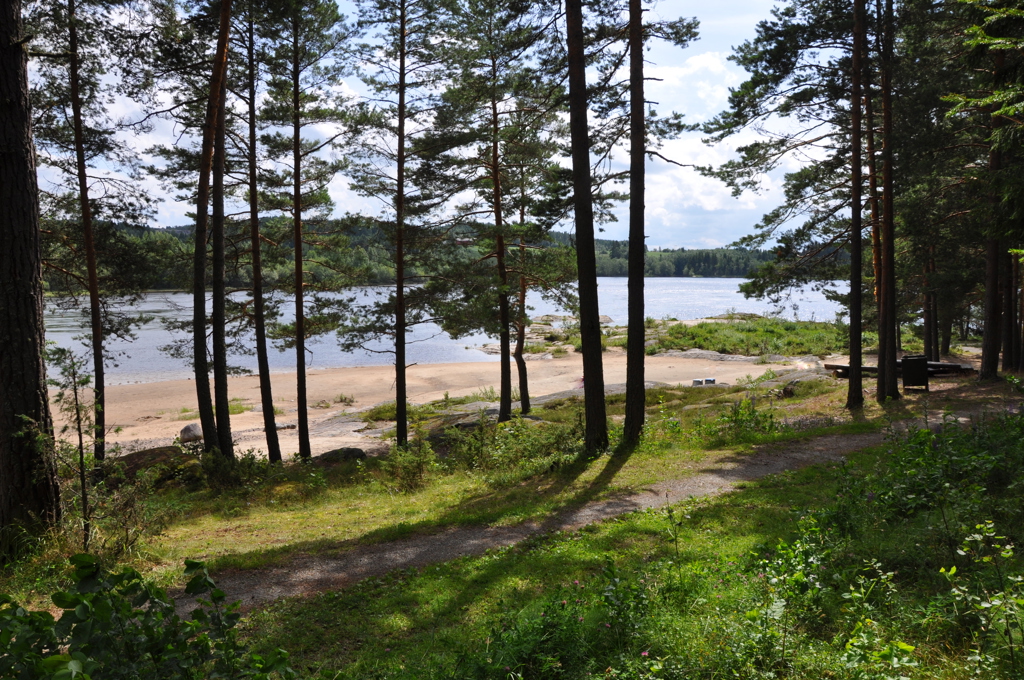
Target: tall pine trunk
(888, 385)
(85, 206)
(29, 495)
(855, 393)
(524, 386)
(504, 319)
(199, 358)
(873, 198)
(401, 391)
(218, 292)
(259, 315)
(635, 331)
(1009, 313)
(991, 338)
(305, 451)
(595, 437)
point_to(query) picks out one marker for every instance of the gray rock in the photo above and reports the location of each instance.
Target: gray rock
(341, 455)
(191, 433)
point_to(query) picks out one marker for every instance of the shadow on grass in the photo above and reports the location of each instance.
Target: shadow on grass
(429, 614)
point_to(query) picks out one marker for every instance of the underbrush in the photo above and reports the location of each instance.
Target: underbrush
(754, 337)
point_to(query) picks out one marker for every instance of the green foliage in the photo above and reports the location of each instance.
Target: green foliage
(122, 626)
(742, 423)
(754, 337)
(408, 465)
(510, 452)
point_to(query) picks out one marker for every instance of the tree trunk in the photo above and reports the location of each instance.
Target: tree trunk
(504, 321)
(95, 319)
(262, 358)
(855, 389)
(524, 387)
(219, 311)
(992, 336)
(401, 392)
(888, 386)
(635, 332)
(595, 436)
(199, 358)
(1009, 324)
(29, 495)
(873, 199)
(927, 319)
(305, 451)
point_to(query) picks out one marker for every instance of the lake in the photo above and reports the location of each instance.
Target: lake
(680, 298)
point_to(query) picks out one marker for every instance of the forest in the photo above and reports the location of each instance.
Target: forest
(787, 524)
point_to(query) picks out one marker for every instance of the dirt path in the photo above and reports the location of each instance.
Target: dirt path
(308, 574)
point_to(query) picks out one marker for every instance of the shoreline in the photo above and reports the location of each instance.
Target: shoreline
(151, 414)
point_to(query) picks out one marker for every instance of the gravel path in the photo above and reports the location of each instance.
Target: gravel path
(307, 574)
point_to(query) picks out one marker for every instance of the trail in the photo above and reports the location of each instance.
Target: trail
(717, 474)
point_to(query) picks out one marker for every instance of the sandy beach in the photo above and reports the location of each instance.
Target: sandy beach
(150, 414)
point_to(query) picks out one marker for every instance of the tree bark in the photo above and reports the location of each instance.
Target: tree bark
(85, 206)
(504, 320)
(259, 315)
(29, 495)
(218, 293)
(855, 389)
(636, 395)
(305, 451)
(1009, 325)
(401, 392)
(595, 436)
(888, 386)
(992, 336)
(524, 387)
(199, 358)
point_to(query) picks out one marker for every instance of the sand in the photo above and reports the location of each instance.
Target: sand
(150, 414)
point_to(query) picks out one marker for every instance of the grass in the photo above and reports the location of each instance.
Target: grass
(235, 407)
(699, 579)
(808, 573)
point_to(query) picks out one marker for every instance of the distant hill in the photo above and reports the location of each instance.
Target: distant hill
(710, 262)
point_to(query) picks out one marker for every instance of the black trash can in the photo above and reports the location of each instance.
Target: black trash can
(915, 370)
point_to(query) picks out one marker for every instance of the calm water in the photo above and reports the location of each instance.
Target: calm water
(143, 361)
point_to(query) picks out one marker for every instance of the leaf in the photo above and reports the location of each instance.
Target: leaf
(65, 600)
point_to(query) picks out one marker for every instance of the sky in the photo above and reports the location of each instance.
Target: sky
(683, 208)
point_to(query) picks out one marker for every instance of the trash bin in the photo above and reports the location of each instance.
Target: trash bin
(915, 371)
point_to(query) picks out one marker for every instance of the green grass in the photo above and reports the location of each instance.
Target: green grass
(447, 620)
(753, 337)
(804, 574)
(235, 407)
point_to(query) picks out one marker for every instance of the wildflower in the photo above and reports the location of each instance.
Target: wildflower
(643, 653)
(607, 625)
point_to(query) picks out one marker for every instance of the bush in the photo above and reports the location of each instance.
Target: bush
(117, 626)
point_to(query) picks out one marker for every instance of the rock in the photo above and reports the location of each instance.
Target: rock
(191, 433)
(170, 462)
(341, 455)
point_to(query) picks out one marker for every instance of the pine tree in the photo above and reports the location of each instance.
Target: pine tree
(308, 43)
(29, 495)
(79, 45)
(399, 166)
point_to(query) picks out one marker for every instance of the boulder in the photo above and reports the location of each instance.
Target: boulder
(170, 463)
(191, 433)
(341, 455)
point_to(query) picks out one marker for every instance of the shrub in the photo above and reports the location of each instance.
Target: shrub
(117, 626)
